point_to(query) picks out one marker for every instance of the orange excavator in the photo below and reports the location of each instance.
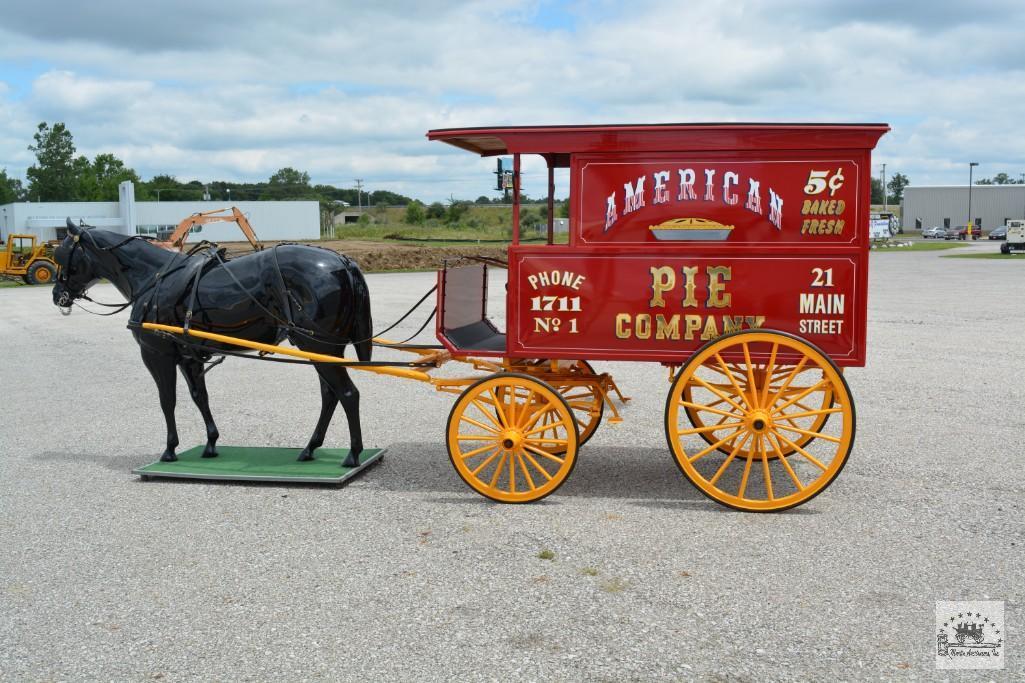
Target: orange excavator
(176, 242)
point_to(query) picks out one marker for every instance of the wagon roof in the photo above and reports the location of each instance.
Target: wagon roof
(561, 141)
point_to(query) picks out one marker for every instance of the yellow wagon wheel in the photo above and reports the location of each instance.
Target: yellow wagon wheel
(512, 438)
(760, 421)
(711, 414)
(585, 399)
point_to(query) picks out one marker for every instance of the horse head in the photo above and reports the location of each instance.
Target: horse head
(78, 267)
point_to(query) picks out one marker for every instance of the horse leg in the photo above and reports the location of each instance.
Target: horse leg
(192, 371)
(347, 394)
(162, 369)
(328, 401)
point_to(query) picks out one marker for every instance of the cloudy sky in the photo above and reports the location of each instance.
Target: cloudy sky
(236, 89)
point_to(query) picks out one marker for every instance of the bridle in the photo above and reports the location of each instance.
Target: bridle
(64, 273)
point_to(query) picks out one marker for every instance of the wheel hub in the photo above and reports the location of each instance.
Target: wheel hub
(758, 421)
(511, 439)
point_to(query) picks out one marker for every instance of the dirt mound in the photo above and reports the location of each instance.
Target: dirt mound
(377, 257)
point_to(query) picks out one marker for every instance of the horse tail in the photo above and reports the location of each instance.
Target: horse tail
(363, 323)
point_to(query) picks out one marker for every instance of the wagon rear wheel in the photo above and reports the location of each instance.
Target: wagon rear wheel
(584, 398)
(712, 414)
(512, 438)
(779, 454)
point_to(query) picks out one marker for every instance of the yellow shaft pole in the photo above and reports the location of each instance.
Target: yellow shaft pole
(407, 373)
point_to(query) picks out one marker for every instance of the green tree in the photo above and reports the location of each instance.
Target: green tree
(98, 181)
(10, 188)
(877, 191)
(53, 176)
(415, 213)
(998, 179)
(457, 211)
(290, 177)
(896, 187)
(436, 210)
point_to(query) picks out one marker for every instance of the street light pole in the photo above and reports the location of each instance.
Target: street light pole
(971, 167)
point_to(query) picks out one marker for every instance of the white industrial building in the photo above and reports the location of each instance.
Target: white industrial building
(296, 221)
(945, 206)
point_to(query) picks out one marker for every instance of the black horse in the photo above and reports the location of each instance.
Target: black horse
(314, 297)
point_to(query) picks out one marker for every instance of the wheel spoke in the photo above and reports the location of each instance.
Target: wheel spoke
(498, 470)
(542, 470)
(720, 394)
(478, 451)
(711, 428)
(733, 381)
(790, 378)
(525, 414)
(817, 435)
(729, 459)
(732, 435)
(551, 426)
(475, 423)
(476, 437)
(487, 413)
(512, 472)
(484, 464)
(703, 408)
(500, 409)
(747, 472)
(750, 376)
(526, 474)
(542, 440)
(782, 458)
(803, 452)
(543, 453)
(765, 468)
(815, 387)
(768, 373)
(810, 413)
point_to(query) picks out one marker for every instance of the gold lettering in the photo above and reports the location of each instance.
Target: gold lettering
(691, 324)
(642, 326)
(667, 329)
(623, 325)
(711, 331)
(690, 274)
(663, 279)
(717, 295)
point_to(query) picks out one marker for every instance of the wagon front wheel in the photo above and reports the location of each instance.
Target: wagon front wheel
(512, 438)
(781, 452)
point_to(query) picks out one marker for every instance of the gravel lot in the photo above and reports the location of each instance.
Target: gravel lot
(406, 574)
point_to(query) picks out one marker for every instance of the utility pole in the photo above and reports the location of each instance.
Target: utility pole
(884, 188)
(359, 194)
(971, 167)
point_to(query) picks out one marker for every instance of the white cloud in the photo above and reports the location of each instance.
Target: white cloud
(237, 89)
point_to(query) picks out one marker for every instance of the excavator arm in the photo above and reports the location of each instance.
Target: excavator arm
(176, 242)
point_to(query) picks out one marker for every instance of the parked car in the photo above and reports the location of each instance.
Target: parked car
(951, 233)
(962, 232)
(935, 232)
(999, 233)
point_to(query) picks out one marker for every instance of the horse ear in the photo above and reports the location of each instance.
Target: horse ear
(72, 228)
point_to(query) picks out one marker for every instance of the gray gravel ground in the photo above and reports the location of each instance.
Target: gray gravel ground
(406, 574)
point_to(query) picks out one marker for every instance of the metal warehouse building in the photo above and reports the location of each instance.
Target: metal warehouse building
(947, 205)
(298, 220)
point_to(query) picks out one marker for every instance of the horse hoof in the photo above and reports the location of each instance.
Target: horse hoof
(351, 461)
(168, 457)
(304, 456)
(209, 454)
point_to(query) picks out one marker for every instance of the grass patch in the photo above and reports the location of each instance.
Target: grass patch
(614, 585)
(989, 255)
(10, 283)
(546, 554)
(921, 246)
(589, 571)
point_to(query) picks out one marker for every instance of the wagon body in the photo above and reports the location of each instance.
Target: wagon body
(679, 234)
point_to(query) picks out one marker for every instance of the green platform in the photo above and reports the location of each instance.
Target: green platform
(255, 463)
